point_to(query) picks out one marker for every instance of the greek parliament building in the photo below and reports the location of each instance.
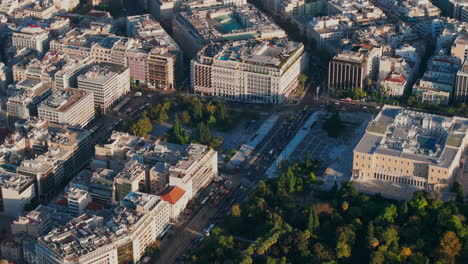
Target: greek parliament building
(249, 71)
(411, 148)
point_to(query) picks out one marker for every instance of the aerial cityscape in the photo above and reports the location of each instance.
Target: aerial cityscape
(234, 131)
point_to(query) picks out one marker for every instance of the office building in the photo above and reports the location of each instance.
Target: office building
(70, 106)
(411, 148)
(452, 8)
(196, 170)
(249, 71)
(460, 48)
(67, 76)
(108, 83)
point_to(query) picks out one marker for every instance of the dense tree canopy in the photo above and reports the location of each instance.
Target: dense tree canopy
(342, 226)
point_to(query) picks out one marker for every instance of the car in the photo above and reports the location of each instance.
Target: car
(364, 107)
(337, 103)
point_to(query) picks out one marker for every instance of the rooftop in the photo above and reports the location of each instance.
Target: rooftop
(102, 72)
(414, 135)
(87, 233)
(266, 53)
(63, 100)
(173, 195)
(13, 181)
(221, 23)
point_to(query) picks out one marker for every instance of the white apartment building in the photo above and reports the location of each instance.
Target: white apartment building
(196, 171)
(108, 82)
(70, 106)
(119, 237)
(394, 85)
(249, 71)
(78, 200)
(16, 191)
(32, 37)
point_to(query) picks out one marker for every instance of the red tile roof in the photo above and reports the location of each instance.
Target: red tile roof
(93, 206)
(400, 79)
(174, 195)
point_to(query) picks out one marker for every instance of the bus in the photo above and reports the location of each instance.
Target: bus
(208, 229)
(204, 201)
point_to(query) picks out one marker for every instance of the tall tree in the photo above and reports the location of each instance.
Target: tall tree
(204, 134)
(450, 246)
(313, 221)
(178, 135)
(221, 113)
(197, 109)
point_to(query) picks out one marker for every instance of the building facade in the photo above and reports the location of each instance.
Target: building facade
(415, 149)
(108, 83)
(72, 107)
(258, 73)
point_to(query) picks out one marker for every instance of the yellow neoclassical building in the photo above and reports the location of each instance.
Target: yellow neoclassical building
(412, 148)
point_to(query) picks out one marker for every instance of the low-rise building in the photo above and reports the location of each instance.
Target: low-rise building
(39, 221)
(178, 200)
(42, 10)
(394, 85)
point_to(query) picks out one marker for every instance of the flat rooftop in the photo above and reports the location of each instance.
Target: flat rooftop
(414, 135)
(231, 23)
(63, 100)
(265, 53)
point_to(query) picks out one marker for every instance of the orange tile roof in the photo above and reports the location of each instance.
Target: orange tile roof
(399, 79)
(174, 195)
